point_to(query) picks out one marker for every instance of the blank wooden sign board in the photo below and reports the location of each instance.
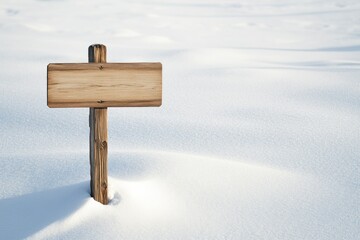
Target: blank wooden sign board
(98, 85)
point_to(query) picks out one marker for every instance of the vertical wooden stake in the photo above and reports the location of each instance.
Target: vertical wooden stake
(98, 138)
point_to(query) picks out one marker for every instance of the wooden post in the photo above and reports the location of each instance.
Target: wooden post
(98, 138)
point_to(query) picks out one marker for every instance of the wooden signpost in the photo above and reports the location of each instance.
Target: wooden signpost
(99, 85)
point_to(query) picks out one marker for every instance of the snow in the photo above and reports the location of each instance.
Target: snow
(257, 138)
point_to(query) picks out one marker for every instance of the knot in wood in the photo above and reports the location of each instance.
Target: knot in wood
(101, 67)
(103, 145)
(104, 185)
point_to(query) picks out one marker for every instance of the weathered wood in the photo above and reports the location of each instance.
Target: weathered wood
(98, 138)
(102, 84)
(99, 154)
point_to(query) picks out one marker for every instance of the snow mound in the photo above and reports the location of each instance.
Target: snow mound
(166, 194)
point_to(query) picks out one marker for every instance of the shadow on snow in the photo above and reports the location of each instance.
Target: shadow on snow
(23, 216)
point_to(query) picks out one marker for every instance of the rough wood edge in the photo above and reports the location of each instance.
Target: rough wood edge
(148, 103)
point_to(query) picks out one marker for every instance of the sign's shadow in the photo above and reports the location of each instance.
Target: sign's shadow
(25, 215)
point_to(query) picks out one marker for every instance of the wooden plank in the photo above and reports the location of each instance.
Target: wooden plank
(104, 84)
(98, 139)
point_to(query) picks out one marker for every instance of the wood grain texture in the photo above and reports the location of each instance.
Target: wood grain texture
(104, 84)
(98, 138)
(99, 154)
(97, 53)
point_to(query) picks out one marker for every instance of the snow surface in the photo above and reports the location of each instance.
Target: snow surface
(257, 138)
